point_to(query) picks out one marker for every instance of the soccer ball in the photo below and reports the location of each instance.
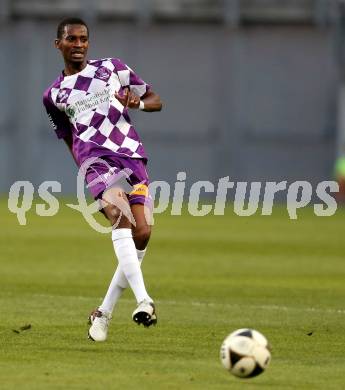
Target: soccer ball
(245, 353)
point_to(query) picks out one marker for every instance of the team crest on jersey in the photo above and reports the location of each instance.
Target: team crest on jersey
(102, 73)
(63, 95)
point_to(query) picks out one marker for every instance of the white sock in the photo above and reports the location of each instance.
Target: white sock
(141, 254)
(117, 285)
(128, 261)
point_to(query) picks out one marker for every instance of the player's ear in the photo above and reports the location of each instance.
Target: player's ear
(57, 43)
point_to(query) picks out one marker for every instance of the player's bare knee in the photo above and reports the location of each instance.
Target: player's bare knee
(115, 213)
(112, 213)
(142, 236)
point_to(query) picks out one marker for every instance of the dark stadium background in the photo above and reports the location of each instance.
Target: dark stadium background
(252, 89)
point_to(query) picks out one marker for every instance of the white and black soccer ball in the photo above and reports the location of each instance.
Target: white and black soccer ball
(245, 353)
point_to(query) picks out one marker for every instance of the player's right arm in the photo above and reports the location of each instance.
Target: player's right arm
(69, 142)
(59, 121)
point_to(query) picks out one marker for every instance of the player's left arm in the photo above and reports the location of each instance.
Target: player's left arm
(150, 100)
(135, 92)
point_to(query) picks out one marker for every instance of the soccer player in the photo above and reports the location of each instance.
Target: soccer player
(88, 106)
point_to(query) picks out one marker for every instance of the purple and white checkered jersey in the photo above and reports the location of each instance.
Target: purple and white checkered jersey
(84, 105)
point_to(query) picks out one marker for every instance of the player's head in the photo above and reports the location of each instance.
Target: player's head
(72, 40)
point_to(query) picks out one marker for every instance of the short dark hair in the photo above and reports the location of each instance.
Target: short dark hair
(65, 22)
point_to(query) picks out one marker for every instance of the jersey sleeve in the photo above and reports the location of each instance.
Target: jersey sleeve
(128, 78)
(58, 119)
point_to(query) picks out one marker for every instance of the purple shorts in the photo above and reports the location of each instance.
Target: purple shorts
(127, 173)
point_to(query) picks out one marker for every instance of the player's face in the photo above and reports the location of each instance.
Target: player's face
(74, 43)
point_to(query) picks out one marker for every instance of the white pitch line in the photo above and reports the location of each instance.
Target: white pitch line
(210, 304)
(263, 307)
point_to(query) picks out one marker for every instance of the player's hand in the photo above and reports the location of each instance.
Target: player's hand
(128, 98)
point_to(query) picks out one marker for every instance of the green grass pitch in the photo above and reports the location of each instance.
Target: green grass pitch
(209, 276)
